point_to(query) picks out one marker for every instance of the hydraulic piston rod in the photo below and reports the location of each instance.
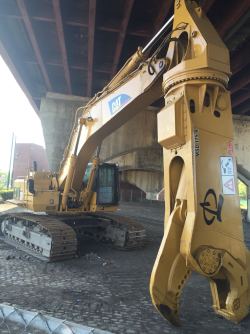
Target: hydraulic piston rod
(158, 35)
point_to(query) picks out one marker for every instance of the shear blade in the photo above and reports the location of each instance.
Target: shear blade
(170, 314)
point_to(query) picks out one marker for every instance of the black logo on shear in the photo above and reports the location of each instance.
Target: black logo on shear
(211, 207)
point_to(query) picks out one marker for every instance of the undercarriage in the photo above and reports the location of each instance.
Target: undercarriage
(58, 237)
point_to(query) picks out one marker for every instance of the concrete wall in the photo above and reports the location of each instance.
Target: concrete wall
(146, 158)
(242, 141)
(57, 112)
(135, 149)
(139, 132)
(149, 182)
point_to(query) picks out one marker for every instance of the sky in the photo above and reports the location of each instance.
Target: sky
(16, 116)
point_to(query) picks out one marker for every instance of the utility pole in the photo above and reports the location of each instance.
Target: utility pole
(9, 179)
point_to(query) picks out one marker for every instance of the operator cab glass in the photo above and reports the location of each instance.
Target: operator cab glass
(107, 184)
(87, 174)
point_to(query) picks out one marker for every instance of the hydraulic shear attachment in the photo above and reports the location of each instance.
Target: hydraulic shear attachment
(203, 226)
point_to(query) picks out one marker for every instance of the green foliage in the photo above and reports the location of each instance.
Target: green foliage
(3, 180)
(243, 194)
(6, 194)
(242, 189)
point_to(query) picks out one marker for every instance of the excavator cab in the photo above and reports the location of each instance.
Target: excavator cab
(100, 186)
(107, 184)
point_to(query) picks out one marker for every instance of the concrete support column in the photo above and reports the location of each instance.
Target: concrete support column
(248, 204)
(242, 141)
(57, 114)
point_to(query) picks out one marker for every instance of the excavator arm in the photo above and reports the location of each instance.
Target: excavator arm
(117, 104)
(203, 227)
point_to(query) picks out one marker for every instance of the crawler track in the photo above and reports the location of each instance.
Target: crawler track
(135, 233)
(57, 237)
(40, 235)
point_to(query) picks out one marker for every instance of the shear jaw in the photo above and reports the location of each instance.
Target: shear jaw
(171, 314)
(166, 285)
(230, 288)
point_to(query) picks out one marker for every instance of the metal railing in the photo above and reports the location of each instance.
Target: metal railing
(17, 321)
(131, 195)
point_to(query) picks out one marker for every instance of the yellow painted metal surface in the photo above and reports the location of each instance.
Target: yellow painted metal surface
(43, 198)
(203, 227)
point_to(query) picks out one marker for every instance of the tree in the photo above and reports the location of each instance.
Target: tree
(3, 180)
(243, 194)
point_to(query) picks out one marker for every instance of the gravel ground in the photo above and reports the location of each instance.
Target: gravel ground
(107, 288)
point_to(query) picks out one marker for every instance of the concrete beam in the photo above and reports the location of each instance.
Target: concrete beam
(207, 5)
(239, 59)
(61, 39)
(128, 5)
(34, 43)
(240, 98)
(240, 81)
(163, 12)
(107, 28)
(91, 39)
(243, 109)
(232, 15)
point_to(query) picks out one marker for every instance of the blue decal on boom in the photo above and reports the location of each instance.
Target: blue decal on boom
(117, 102)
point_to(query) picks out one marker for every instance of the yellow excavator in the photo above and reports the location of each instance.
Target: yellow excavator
(203, 227)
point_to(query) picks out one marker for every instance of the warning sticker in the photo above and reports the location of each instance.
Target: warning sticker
(227, 166)
(228, 185)
(227, 175)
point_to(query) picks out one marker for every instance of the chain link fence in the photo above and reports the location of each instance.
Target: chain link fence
(18, 321)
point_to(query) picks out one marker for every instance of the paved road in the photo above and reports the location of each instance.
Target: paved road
(107, 288)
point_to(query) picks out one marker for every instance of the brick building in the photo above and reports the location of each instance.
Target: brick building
(24, 157)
